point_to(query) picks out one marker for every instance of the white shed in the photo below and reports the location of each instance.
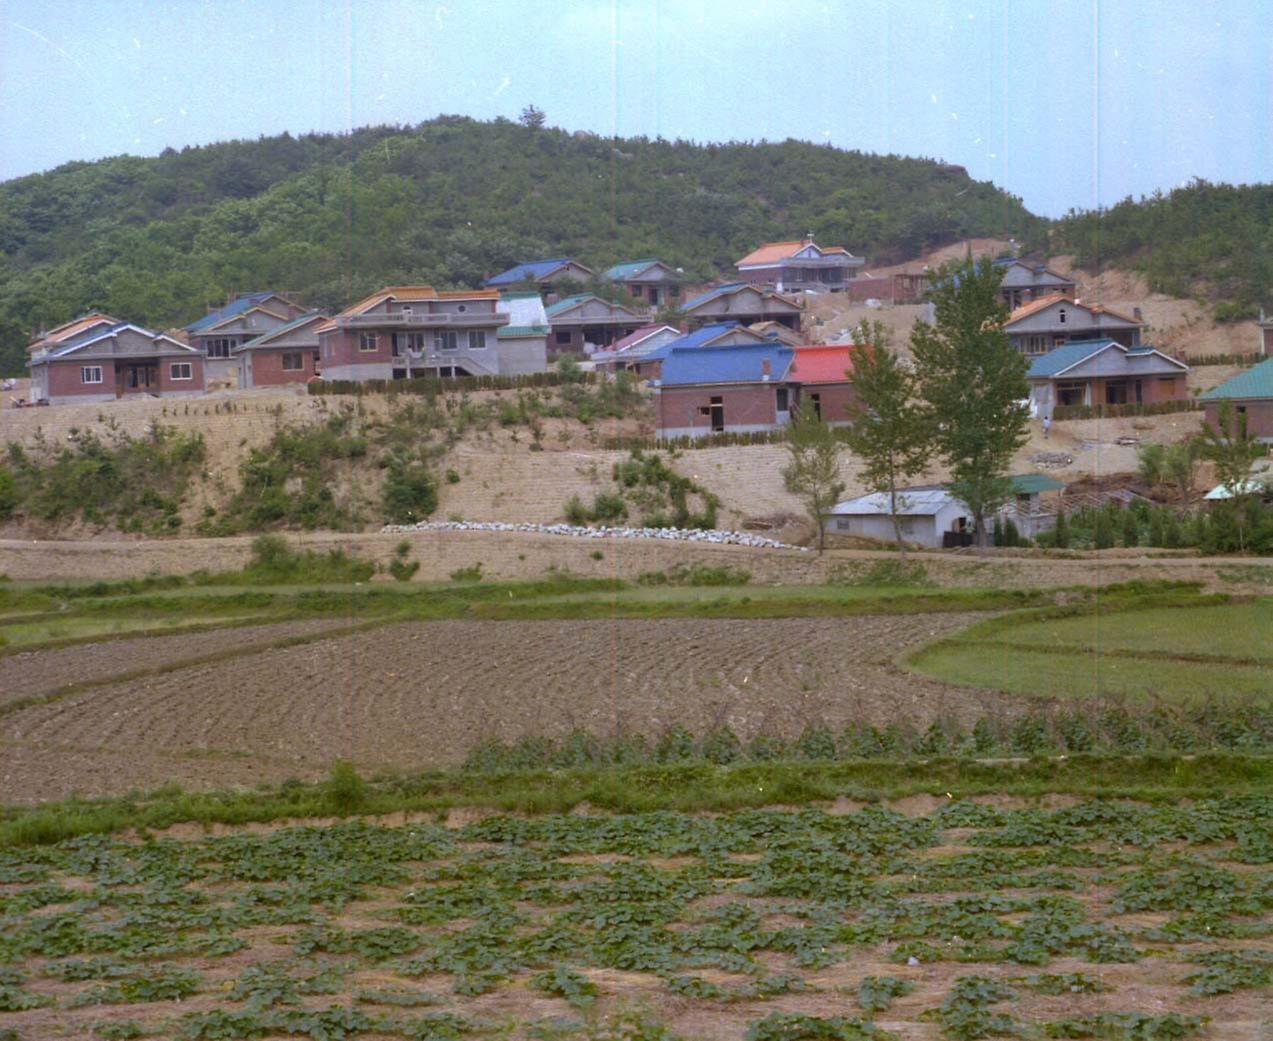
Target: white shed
(926, 515)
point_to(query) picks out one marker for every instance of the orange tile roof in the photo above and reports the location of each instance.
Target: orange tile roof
(74, 327)
(1043, 302)
(469, 294)
(769, 252)
(821, 363)
(418, 293)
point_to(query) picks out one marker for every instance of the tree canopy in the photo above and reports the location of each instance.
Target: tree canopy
(448, 202)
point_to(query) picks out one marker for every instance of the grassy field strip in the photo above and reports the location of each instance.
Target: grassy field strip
(1120, 652)
(27, 637)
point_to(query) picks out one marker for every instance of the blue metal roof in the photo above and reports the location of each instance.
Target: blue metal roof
(241, 303)
(696, 340)
(1061, 358)
(527, 270)
(740, 364)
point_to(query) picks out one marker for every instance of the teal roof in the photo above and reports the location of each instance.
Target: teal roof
(1065, 356)
(519, 296)
(628, 269)
(513, 332)
(1033, 484)
(568, 301)
(1255, 382)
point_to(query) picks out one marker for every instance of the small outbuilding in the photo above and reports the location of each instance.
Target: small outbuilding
(1250, 393)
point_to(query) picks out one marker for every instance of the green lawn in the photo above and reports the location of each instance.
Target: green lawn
(1137, 654)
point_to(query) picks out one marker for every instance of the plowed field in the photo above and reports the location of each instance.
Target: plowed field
(418, 695)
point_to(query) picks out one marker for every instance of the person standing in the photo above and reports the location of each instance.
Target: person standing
(1047, 425)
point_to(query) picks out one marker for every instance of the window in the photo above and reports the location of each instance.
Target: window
(408, 342)
(780, 396)
(1036, 344)
(562, 337)
(220, 348)
(292, 362)
(462, 308)
(1060, 316)
(369, 341)
(181, 370)
(445, 340)
(91, 374)
(477, 339)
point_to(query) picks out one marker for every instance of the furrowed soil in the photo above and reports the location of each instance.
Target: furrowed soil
(422, 694)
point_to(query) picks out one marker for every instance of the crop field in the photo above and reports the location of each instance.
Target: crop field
(933, 918)
(1178, 654)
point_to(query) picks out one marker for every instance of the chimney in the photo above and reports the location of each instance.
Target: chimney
(808, 238)
(1136, 314)
(764, 369)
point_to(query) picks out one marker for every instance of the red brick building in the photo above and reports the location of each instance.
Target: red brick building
(288, 354)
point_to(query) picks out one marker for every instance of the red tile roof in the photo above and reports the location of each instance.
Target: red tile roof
(818, 363)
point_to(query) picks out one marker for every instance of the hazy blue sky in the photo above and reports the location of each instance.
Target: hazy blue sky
(1067, 103)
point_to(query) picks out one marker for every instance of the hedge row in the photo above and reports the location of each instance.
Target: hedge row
(1155, 408)
(1253, 358)
(434, 385)
(758, 437)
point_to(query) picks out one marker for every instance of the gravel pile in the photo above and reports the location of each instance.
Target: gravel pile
(730, 538)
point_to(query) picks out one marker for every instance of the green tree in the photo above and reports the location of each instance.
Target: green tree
(1233, 450)
(973, 383)
(1131, 529)
(890, 431)
(1061, 534)
(532, 117)
(814, 470)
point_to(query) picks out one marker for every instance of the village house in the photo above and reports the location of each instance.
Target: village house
(821, 375)
(1047, 322)
(799, 265)
(1104, 372)
(741, 302)
(713, 390)
(99, 358)
(526, 334)
(1024, 281)
(1264, 327)
(721, 334)
(1250, 394)
(288, 354)
(586, 323)
(243, 318)
(650, 282)
(406, 331)
(545, 275)
(626, 354)
(931, 517)
(777, 331)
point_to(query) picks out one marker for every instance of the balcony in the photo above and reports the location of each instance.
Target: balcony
(422, 321)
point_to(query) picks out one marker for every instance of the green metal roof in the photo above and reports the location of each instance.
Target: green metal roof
(628, 268)
(1256, 382)
(1033, 484)
(513, 332)
(518, 296)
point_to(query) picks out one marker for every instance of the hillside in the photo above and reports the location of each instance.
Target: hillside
(448, 202)
(1210, 241)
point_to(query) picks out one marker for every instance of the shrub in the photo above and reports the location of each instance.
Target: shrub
(472, 573)
(346, 791)
(399, 568)
(410, 492)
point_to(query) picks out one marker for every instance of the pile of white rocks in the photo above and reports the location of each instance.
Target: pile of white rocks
(729, 538)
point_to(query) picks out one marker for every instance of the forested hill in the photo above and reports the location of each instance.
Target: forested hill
(447, 202)
(1212, 241)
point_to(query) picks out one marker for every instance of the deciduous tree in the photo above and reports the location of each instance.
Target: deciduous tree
(814, 470)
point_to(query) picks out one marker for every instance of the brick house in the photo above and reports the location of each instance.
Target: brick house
(288, 354)
(97, 358)
(742, 302)
(798, 265)
(1251, 394)
(722, 334)
(712, 390)
(1105, 372)
(626, 355)
(650, 282)
(585, 323)
(1041, 325)
(1024, 281)
(243, 318)
(545, 274)
(405, 331)
(820, 374)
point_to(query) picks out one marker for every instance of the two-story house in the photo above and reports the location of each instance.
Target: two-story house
(243, 318)
(406, 331)
(545, 275)
(799, 265)
(1024, 281)
(99, 358)
(584, 323)
(1050, 321)
(742, 302)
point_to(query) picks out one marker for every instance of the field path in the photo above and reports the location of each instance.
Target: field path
(414, 695)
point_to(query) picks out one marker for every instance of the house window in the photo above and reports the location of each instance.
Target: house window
(369, 341)
(445, 340)
(477, 339)
(462, 308)
(408, 342)
(780, 396)
(91, 374)
(181, 370)
(292, 361)
(1036, 344)
(562, 337)
(220, 348)
(1060, 316)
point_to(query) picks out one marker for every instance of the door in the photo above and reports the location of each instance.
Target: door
(716, 409)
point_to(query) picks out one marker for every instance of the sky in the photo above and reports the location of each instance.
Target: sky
(1066, 103)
